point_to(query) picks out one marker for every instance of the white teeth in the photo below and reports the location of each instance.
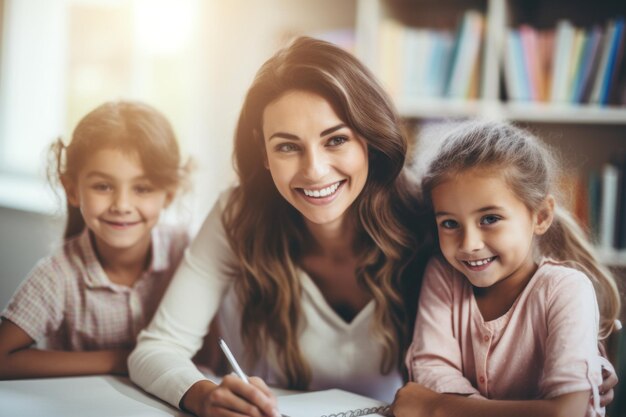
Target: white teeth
(480, 262)
(324, 192)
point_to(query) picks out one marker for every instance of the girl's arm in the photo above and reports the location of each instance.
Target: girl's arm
(434, 358)
(19, 360)
(414, 400)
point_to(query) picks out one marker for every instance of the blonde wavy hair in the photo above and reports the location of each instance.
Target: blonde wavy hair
(532, 172)
(269, 236)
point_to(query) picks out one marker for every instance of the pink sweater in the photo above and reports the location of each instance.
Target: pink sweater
(543, 347)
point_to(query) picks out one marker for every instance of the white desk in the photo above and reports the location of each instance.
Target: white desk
(88, 396)
(112, 396)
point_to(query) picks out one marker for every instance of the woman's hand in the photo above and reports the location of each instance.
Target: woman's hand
(231, 397)
(414, 400)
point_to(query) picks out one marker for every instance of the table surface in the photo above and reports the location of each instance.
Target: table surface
(86, 396)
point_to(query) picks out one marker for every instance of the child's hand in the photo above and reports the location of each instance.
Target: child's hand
(609, 380)
(414, 400)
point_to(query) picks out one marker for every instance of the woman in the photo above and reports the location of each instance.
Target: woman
(312, 253)
(314, 260)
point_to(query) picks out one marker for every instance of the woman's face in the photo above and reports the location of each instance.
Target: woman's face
(317, 162)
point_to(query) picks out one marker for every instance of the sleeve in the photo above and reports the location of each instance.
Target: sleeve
(161, 362)
(37, 306)
(434, 358)
(572, 359)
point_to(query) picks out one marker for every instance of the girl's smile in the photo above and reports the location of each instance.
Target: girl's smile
(485, 231)
(118, 202)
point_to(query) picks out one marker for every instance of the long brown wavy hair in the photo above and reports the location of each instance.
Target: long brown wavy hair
(532, 171)
(129, 126)
(268, 235)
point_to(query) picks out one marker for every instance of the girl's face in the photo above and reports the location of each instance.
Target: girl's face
(118, 202)
(317, 162)
(485, 231)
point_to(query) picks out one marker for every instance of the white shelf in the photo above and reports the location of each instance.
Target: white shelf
(530, 112)
(564, 113)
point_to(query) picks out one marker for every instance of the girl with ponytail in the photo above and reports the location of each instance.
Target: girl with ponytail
(509, 310)
(81, 307)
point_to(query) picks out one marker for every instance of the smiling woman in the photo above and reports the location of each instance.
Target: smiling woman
(313, 253)
(319, 164)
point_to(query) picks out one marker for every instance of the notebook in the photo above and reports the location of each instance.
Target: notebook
(330, 403)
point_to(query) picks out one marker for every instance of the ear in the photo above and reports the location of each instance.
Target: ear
(544, 215)
(169, 197)
(71, 191)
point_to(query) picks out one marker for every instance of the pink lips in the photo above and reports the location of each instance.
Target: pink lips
(120, 225)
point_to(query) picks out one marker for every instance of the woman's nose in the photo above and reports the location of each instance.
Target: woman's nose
(315, 165)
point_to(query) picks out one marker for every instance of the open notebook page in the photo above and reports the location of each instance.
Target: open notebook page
(329, 403)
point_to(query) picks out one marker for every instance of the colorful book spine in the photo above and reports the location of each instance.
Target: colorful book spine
(589, 64)
(561, 58)
(528, 40)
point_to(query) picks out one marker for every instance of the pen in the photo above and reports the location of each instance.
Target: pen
(233, 361)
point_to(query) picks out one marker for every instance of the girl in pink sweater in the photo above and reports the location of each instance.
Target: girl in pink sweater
(508, 312)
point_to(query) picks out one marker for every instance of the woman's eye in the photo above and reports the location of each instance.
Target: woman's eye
(449, 224)
(286, 147)
(491, 219)
(337, 140)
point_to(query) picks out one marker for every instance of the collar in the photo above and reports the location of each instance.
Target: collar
(95, 277)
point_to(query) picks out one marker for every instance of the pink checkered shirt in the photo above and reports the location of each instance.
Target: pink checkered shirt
(68, 302)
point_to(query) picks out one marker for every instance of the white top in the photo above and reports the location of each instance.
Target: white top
(340, 355)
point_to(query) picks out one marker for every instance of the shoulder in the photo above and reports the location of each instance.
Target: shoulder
(553, 275)
(52, 274)
(65, 261)
(440, 273)
(560, 284)
(437, 266)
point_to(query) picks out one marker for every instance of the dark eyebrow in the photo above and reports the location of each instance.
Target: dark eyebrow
(284, 136)
(294, 137)
(332, 129)
(480, 210)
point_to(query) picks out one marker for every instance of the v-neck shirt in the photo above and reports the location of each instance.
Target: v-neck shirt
(339, 354)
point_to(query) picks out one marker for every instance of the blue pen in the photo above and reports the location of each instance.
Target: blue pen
(233, 361)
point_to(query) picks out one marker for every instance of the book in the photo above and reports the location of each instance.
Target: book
(608, 205)
(529, 44)
(590, 61)
(330, 403)
(562, 57)
(601, 73)
(466, 53)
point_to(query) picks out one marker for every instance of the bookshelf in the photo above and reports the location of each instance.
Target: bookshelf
(589, 131)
